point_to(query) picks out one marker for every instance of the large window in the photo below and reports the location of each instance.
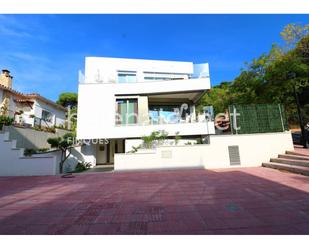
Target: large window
(127, 111)
(126, 77)
(47, 116)
(167, 113)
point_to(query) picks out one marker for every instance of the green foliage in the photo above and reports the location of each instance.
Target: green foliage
(157, 137)
(64, 144)
(29, 152)
(5, 120)
(67, 99)
(82, 166)
(267, 79)
(177, 137)
(42, 150)
(219, 97)
(199, 141)
(135, 149)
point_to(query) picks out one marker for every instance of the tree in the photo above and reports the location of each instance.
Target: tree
(219, 97)
(64, 144)
(68, 99)
(266, 79)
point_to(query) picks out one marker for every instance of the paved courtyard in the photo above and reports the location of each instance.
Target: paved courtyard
(234, 201)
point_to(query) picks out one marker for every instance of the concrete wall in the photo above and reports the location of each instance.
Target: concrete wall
(254, 149)
(30, 138)
(129, 143)
(13, 163)
(78, 154)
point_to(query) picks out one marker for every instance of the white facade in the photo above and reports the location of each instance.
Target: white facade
(101, 89)
(28, 108)
(210, 156)
(130, 98)
(37, 109)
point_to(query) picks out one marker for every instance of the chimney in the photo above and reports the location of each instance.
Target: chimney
(6, 79)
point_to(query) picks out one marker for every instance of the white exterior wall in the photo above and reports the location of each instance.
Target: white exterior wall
(129, 143)
(78, 154)
(104, 70)
(97, 104)
(58, 115)
(13, 163)
(254, 149)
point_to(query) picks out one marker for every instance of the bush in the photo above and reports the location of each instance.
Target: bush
(29, 152)
(156, 137)
(43, 150)
(82, 166)
(5, 120)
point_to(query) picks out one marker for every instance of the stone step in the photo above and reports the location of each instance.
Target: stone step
(290, 156)
(289, 152)
(4, 136)
(286, 167)
(290, 161)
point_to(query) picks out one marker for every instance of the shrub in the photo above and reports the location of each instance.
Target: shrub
(29, 152)
(158, 137)
(5, 120)
(82, 166)
(177, 137)
(43, 150)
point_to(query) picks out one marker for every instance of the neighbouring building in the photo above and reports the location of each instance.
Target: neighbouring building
(124, 99)
(28, 109)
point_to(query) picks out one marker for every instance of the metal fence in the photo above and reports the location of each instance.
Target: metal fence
(260, 118)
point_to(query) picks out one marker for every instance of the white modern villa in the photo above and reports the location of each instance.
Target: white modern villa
(124, 99)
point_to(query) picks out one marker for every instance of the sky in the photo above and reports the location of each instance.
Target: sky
(45, 52)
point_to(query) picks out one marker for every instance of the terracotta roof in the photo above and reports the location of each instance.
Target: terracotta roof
(24, 100)
(48, 101)
(30, 97)
(11, 90)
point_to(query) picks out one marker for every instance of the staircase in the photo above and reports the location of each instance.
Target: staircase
(292, 161)
(14, 163)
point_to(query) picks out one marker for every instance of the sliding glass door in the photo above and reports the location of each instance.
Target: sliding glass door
(127, 111)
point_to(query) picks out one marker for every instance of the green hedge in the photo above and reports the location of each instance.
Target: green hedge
(260, 118)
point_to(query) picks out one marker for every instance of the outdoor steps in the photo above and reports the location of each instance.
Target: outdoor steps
(290, 156)
(291, 168)
(295, 162)
(296, 153)
(292, 161)
(4, 138)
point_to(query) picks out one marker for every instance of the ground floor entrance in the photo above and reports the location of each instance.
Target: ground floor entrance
(105, 152)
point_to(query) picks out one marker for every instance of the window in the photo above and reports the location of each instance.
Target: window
(126, 77)
(127, 111)
(161, 76)
(167, 113)
(47, 116)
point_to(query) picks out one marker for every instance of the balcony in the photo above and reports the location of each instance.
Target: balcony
(136, 125)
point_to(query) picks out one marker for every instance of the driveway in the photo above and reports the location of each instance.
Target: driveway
(234, 201)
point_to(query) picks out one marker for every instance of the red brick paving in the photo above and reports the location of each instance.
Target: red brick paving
(233, 201)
